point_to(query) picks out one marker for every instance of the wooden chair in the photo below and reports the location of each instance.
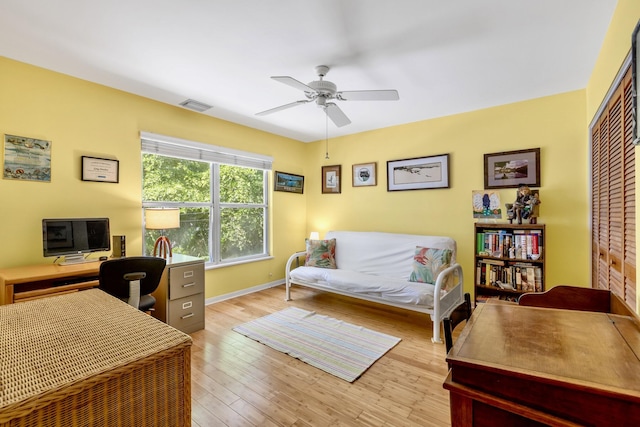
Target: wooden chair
(569, 298)
(457, 316)
(576, 298)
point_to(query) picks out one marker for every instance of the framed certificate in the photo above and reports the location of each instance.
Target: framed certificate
(100, 170)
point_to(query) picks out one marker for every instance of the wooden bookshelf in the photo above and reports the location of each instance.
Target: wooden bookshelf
(508, 261)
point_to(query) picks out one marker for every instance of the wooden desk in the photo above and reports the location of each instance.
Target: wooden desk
(529, 366)
(37, 281)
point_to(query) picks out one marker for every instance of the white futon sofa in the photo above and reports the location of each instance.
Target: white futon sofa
(378, 267)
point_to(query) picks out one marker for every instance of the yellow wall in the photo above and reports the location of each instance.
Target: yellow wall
(82, 118)
(615, 47)
(555, 124)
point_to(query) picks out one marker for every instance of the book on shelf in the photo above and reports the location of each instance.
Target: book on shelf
(479, 242)
(538, 279)
(531, 279)
(534, 244)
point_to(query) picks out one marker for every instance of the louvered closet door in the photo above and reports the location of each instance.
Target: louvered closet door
(613, 200)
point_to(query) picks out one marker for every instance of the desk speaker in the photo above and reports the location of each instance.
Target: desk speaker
(119, 247)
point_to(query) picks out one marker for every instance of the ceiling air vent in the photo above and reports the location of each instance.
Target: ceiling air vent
(195, 105)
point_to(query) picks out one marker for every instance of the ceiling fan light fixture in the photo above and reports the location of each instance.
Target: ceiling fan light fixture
(324, 87)
(322, 92)
(195, 105)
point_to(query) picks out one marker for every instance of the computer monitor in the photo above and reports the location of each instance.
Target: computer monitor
(75, 237)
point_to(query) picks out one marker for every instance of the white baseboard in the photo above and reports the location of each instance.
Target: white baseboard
(242, 292)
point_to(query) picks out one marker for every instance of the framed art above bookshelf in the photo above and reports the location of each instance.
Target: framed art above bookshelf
(509, 260)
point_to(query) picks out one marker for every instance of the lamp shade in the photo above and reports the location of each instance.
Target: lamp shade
(161, 219)
(314, 235)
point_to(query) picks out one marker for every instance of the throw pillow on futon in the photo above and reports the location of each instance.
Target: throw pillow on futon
(428, 263)
(321, 253)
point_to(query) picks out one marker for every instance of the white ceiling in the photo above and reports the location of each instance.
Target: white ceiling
(443, 56)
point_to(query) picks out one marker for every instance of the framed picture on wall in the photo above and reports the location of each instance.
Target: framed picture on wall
(419, 173)
(288, 182)
(365, 174)
(100, 170)
(331, 179)
(509, 169)
(27, 159)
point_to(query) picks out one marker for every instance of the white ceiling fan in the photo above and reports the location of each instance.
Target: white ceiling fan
(322, 91)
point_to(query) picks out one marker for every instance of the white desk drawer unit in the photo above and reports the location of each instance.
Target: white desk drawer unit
(180, 296)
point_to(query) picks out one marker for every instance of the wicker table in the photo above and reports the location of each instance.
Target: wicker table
(88, 359)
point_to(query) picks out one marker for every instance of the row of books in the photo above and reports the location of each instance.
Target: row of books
(520, 276)
(484, 298)
(514, 244)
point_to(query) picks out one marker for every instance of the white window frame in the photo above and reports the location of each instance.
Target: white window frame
(190, 150)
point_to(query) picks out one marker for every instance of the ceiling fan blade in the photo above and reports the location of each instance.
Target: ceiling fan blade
(336, 115)
(368, 95)
(282, 107)
(290, 81)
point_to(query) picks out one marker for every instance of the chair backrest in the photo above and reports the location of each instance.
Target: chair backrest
(569, 298)
(112, 272)
(457, 316)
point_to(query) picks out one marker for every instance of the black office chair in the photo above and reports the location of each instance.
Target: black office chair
(457, 316)
(132, 279)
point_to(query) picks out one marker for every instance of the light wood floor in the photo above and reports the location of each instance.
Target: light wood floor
(239, 382)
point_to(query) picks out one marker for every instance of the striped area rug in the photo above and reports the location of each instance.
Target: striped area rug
(336, 347)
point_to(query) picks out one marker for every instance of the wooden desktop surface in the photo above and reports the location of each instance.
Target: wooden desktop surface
(16, 276)
(32, 273)
(550, 364)
(42, 280)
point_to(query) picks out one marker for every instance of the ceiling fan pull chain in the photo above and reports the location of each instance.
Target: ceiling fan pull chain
(326, 123)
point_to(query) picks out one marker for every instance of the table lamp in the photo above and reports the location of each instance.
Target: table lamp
(162, 219)
(314, 235)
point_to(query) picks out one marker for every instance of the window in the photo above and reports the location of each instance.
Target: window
(222, 195)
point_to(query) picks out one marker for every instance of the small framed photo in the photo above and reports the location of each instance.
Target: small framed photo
(331, 179)
(100, 170)
(288, 182)
(365, 174)
(510, 169)
(419, 173)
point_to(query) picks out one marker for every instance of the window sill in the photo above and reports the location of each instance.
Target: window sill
(210, 266)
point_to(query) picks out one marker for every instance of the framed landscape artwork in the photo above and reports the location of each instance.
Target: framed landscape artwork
(509, 169)
(364, 174)
(331, 179)
(418, 173)
(288, 182)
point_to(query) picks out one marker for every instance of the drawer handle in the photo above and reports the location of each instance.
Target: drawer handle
(186, 316)
(188, 285)
(187, 305)
(188, 274)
